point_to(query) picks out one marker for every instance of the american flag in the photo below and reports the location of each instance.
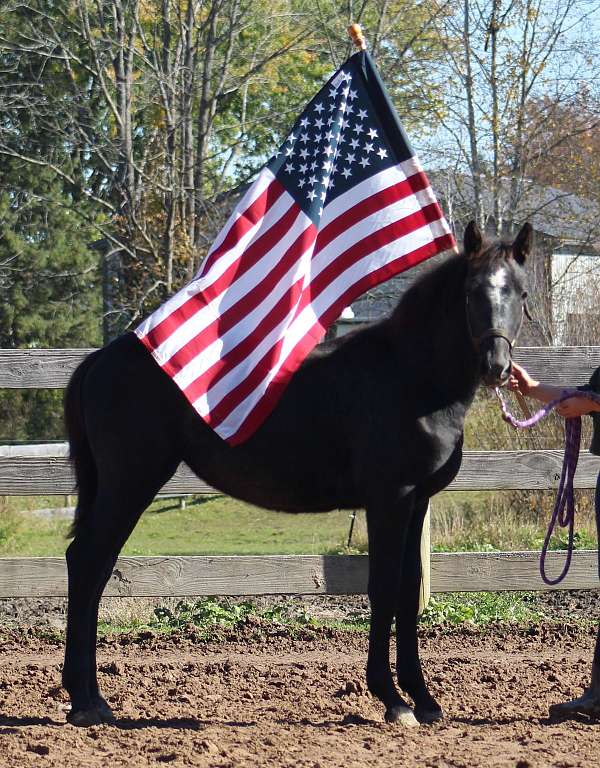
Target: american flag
(341, 206)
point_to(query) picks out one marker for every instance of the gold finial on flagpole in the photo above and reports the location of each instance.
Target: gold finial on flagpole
(355, 32)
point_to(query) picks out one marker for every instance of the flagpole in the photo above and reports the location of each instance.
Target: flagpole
(355, 32)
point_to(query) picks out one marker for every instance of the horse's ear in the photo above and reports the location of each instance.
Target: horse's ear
(472, 239)
(522, 245)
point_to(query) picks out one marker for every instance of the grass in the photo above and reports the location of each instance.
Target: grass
(463, 521)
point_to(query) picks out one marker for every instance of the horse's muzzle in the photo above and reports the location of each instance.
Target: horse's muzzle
(495, 362)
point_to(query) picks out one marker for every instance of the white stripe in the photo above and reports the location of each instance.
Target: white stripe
(224, 261)
(209, 312)
(382, 180)
(310, 315)
(247, 323)
(262, 182)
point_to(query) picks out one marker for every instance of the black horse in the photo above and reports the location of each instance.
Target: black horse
(376, 423)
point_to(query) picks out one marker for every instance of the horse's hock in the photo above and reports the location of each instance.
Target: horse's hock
(45, 469)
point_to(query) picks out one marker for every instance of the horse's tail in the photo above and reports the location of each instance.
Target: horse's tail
(80, 452)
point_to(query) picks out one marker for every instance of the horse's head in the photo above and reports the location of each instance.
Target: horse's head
(495, 298)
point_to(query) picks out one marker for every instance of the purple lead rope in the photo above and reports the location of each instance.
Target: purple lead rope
(563, 513)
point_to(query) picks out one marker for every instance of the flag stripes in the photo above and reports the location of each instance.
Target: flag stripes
(221, 338)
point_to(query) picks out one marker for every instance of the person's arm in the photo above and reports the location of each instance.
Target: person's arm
(521, 381)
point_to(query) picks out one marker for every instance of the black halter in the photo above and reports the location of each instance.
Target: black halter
(500, 333)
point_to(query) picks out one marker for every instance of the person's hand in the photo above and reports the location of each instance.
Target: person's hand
(520, 381)
(574, 406)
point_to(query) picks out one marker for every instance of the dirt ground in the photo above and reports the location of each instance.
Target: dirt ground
(270, 700)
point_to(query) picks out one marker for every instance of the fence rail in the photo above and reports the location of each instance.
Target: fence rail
(44, 469)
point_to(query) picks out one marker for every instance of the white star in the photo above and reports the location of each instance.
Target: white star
(323, 195)
(330, 120)
(382, 153)
(313, 165)
(331, 183)
(347, 76)
(362, 113)
(372, 133)
(312, 181)
(325, 180)
(346, 172)
(291, 137)
(329, 136)
(354, 143)
(333, 107)
(368, 147)
(318, 108)
(349, 109)
(319, 123)
(303, 168)
(312, 194)
(289, 151)
(289, 167)
(358, 128)
(328, 150)
(352, 95)
(341, 139)
(304, 153)
(320, 210)
(364, 162)
(345, 90)
(326, 165)
(344, 124)
(342, 106)
(333, 93)
(304, 138)
(333, 170)
(301, 183)
(341, 122)
(350, 157)
(304, 122)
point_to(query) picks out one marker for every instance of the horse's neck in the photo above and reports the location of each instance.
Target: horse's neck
(430, 330)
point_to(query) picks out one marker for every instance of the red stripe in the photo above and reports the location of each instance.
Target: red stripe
(277, 387)
(246, 220)
(384, 236)
(368, 206)
(246, 304)
(253, 214)
(247, 259)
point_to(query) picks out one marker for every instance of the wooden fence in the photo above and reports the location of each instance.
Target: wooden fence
(44, 469)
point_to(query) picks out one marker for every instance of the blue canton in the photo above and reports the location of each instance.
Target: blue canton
(336, 143)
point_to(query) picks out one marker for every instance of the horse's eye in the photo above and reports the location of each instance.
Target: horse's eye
(524, 295)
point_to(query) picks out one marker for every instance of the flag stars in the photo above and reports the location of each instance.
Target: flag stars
(354, 143)
(330, 136)
(303, 168)
(346, 173)
(319, 123)
(301, 182)
(382, 153)
(352, 95)
(328, 150)
(368, 148)
(311, 195)
(291, 138)
(364, 161)
(304, 122)
(318, 108)
(323, 196)
(326, 165)
(358, 129)
(289, 151)
(313, 180)
(350, 157)
(362, 113)
(372, 133)
(304, 138)
(289, 167)
(333, 93)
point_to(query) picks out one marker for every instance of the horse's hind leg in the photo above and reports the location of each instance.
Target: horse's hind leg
(408, 664)
(90, 559)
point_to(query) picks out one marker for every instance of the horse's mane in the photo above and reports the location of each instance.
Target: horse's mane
(438, 286)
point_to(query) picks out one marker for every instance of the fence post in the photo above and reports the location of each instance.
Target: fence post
(425, 588)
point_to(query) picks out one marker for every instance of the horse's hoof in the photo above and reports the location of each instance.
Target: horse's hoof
(428, 716)
(83, 718)
(104, 711)
(402, 715)
(587, 705)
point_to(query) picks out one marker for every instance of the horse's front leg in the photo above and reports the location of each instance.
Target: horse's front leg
(408, 664)
(387, 524)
